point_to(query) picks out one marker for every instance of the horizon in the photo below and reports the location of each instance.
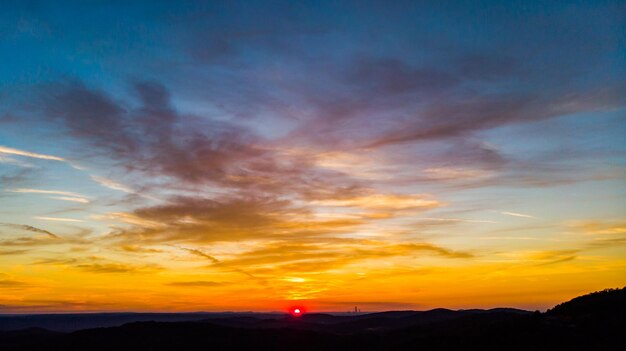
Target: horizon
(261, 155)
(282, 312)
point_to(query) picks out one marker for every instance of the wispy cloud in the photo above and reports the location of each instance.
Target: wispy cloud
(31, 229)
(600, 227)
(41, 191)
(516, 214)
(58, 219)
(139, 249)
(65, 195)
(455, 220)
(71, 199)
(11, 151)
(116, 268)
(111, 184)
(12, 252)
(201, 254)
(550, 257)
(10, 160)
(383, 202)
(38, 230)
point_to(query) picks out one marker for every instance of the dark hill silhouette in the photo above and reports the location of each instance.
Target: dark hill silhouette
(610, 302)
(591, 322)
(73, 322)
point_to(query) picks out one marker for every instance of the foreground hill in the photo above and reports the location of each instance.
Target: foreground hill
(591, 322)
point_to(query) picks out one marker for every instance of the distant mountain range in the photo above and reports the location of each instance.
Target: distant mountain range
(595, 321)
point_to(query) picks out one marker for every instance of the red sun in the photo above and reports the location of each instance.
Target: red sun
(297, 311)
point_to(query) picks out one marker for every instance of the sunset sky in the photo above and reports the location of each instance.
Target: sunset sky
(252, 156)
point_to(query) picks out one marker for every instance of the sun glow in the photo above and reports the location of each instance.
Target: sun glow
(297, 311)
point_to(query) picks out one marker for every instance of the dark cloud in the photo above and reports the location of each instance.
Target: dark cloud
(150, 137)
(474, 113)
(31, 229)
(91, 115)
(153, 139)
(201, 254)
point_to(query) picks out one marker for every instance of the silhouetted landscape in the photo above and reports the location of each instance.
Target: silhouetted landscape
(596, 321)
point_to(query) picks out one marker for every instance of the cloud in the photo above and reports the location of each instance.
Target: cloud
(66, 195)
(228, 219)
(131, 219)
(90, 115)
(37, 230)
(116, 268)
(138, 249)
(12, 284)
(108, 183)
(57, 219)
(31, 229)
(516, 214)
(205, 220)
(40, 191)
(316, 257)
(55, 261)
(71, 199)
(550, 257)
(28, 241)
(474, 113)
(201, 254)
(454, 220)
(39, 305)
(600, 227)
(12, 252)
(11, 151)
(450, 173)
(10, 160)
(148, 138)
(383, 202)
(21, 238)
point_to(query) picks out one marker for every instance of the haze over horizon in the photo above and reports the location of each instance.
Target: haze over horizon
(255, 156)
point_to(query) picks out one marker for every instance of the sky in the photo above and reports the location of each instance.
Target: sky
(251, 156)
